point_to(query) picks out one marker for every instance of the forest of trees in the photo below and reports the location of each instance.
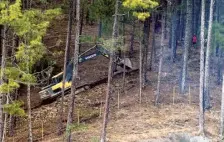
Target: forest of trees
(152, 33)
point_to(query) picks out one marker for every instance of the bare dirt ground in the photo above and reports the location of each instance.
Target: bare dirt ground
(132, 121)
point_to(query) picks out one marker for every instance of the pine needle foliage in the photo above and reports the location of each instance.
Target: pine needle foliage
(30, 26)
(141, 7)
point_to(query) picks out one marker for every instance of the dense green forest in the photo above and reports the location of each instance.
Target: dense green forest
(112, 70)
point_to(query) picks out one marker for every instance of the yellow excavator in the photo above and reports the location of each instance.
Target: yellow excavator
(54, 89)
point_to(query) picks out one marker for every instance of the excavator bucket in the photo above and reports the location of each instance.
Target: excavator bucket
(127, 63)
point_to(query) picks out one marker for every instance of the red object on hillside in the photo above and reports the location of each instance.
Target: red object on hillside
(194, 39)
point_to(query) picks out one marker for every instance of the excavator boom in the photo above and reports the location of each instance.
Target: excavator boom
(55, 88)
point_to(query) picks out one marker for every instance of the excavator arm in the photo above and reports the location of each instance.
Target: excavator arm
(54, 89)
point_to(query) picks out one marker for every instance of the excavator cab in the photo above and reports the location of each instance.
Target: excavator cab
(55, 87)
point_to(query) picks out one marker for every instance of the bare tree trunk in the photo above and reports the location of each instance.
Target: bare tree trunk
(68, 41)
(132, 40)
(74, 7)
(140, 71)
(82, 20)
(182, 21)
(74, 74)
(100, 29)
(161, 60)
(140, 66)
(152, 31)
(81, 23)
(30, 135)
(202, 59)
(124, 74)
(1, 78)
(124, 56)
(222, 113)
(107, 104)
(207, 59)
(5, 120)
(187, 44)
(110, 72)
(27, 3)
(174, 33)
(220, 66)
(194, 14)
(146, 31)
(30, 139)
(12, 119)
(13, 46)
(166, 23)
(11, 125)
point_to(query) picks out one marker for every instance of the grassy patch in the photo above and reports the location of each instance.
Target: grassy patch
(78, 127)
(86, 114)
(95, 139)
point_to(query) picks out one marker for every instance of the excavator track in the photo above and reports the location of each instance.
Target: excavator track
(85, 87)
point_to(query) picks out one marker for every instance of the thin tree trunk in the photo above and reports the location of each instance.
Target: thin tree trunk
(198, 17)
(140, 71)
(187, 44)
(81, 21)
(12, 119)
(146, 31)
(27, 3)
(166, 23)
(132, 40)
(74, 12)
(222, 113)
(207, 59)
(30, 139)
(1, 78)
(11, 122)
(174, 35)
(168, 17)
(74, 74)
(100, 29)
(110, 72)
(30, 135)
(13, 46)
(170, 35)
(219, 68)
(152, 29)
(161, 60)
(68, 41)
(182, 20)
(124, 56)
(107, 104)
(124, 74)
(194, 18)
(218, 49)
(202, 59)
(5, 119)
(81, 24)
(178, 18)
(23, 4)
(11, 127)
(215, 43)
